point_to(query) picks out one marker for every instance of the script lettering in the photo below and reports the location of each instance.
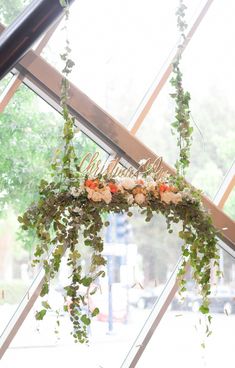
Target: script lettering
(91, 164)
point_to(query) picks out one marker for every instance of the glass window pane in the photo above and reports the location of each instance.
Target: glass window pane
(30, 133)
(229, 207)
(177, 340)
(119, 47)
(208, 74)
(10, 9)
(139, 269)
(4, 82)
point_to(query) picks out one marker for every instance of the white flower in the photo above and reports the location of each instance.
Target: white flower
(76, 191)
(168, 197)
(188, 195)
(150, 186)
(129, 198)
(140, 198)
(150, 179)
(106, 195)
(128, 183)
(77, 209)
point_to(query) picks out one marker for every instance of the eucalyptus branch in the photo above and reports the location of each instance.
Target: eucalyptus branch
(69, 121)
(181, 126)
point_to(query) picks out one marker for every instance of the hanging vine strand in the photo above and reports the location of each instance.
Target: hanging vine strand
(181, 126)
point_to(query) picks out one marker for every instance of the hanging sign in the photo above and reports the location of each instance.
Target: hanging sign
(92, 165)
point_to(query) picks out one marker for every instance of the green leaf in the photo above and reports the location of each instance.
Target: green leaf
(40, 315)
(85, 320)
(88, 242)
(45, 289)
(95, 312)
(46, 305)
(204, 309)
(86, 281)
(20, 219)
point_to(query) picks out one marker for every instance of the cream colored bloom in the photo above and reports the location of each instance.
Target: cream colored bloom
(168, 197)
(150, 186)
(106, 195)
(129, 198)
(77, 209)
(140, 198)
(128, 183)
(76, 191)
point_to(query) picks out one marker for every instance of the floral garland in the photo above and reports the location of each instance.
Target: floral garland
(71, 206)
(62, 213)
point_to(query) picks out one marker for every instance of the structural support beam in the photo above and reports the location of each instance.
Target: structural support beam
(9, 91)
(158, 85)
(226, 187)
(16, 81)
(19, 37)
(21, 313)
(152, 322)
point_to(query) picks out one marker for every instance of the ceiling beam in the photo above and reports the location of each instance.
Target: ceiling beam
(21, 34)
(18, 78)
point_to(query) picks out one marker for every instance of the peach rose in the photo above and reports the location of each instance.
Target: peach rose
(106, 195)
(168, 197)
(76, 191)
(140, 198)
(94, 195)
(128, 183)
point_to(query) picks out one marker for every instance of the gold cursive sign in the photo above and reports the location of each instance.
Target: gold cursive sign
(92, 165)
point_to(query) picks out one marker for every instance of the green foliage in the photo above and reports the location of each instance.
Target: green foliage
(28, 137)
(59, 218)
(181, 125)
(41, 314)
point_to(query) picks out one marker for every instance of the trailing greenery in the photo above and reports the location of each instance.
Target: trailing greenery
(69, 215)
(181, 126)
(68, 210)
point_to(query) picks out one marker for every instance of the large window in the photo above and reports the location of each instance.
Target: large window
(207, 65)
(177, 341)
(119, 48)
(31, 133)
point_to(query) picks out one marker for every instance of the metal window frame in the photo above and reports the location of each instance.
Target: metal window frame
(18, 78)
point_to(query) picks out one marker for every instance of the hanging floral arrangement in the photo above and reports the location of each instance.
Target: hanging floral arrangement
(73, 202)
